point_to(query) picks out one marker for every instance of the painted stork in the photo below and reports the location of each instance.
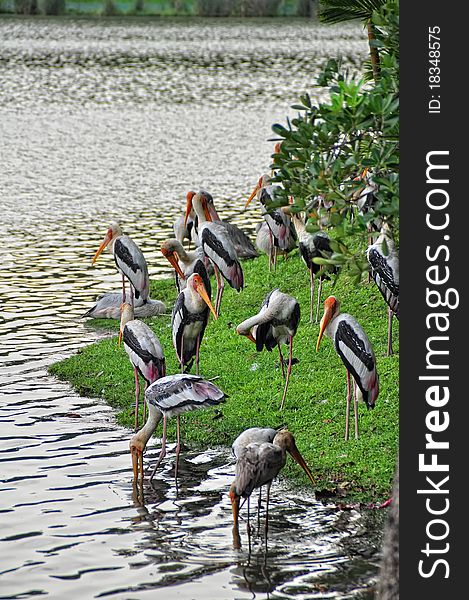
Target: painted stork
(129, 261)
(108, 306)
(279, 223)
(258, 464)
(190, 318)
(354, 348)
(185, 263)
(217, 245)
(143, 349)
(311, 246)
(167, 397)
(275, 324)
(384, 262)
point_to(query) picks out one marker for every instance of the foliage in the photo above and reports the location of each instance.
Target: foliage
(338, 11)
(315, 405)
(326, 149)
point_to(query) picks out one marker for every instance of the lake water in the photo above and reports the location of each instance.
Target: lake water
(113, 119)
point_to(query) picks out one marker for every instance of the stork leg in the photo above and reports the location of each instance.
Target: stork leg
(137, 396)
(259, 504)
(181, 362)
(197, 349)
(282, 363)
(249, 529)
(178, 445)
(163, 448)
(267, 512)
(290, 358)
(347, 410)
(311, 295)
(355, 407)
(144, 403)
(318, 304)
(123, 289)
(275, 258)
(390, 315)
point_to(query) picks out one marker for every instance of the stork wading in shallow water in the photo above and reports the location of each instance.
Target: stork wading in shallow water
(108, 306)
(190, 318)
(384, 262)
(217, 245)
(167, 397)
(186, 263)
(354, 348)
(129, 261)
(144, 351)
(258, 463)
(275, 324)
(312, 245)
(279, 223)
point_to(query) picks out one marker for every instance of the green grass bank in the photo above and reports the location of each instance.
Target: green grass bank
(353, 471)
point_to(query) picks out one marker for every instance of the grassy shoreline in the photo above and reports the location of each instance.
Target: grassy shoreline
(354, 471)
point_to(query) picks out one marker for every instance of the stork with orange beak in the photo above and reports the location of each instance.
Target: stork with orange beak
(129, 260)
(190, 318)
(354, 348)
(167, 397)
(185, 263)
(217, 246)
(279, 223)
(258, 463)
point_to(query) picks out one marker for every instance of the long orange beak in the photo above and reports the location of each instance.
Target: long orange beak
(326, 318)
(295, 453)
(106, 241)
(253, 193)
(208, 214)
(120, 338)
(190, 195)
(203, 294)
(172, 258)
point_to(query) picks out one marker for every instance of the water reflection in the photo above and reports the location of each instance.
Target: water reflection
(105, 120)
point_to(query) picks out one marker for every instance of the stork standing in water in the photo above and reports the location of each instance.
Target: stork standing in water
(384, 263)
(186, 263)
(258, 463)
(190, 318)
(354, 348)
(312, 245)
(129, 261)
(279, 223)
(167, 397)
(275, 324)
(217, 245)
(144, 351)
(108, 306)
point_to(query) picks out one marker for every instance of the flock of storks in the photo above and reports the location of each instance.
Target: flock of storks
(260, 453)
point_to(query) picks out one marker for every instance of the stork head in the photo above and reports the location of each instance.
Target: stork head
(169, 250)
(195, 282)
(285, 440)
(263, 181)
(137, 446)
(246, 331)
(112, 233)
(331, 310)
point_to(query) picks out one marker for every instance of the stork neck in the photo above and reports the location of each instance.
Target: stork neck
(154, 417)
(262, 317)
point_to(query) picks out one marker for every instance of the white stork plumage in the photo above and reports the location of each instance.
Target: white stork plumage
(190, 318)
(258, 463)
(167, 397)
(183, 231)
(143, 349)
(279, 223)
(217, 245)
(129, 260)
(108, 306)
(185, 263)
(354, 348)
(276, 323)
(311, 246)
(384, 262)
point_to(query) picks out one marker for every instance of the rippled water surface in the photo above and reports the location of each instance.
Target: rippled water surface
(106, 120)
